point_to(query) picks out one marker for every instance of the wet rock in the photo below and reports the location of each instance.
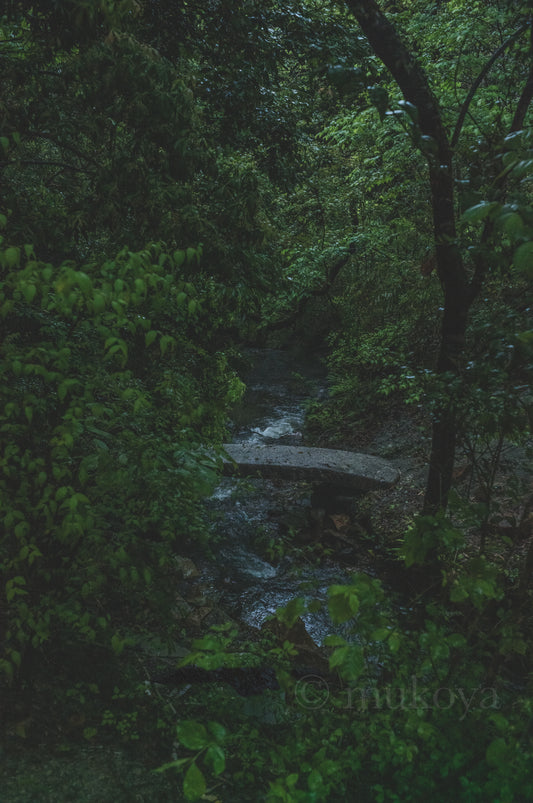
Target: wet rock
(351, 470)
(186, 567)
(181, 608)
(307, 648)
(198, 615)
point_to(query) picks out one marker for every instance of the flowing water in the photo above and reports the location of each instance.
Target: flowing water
(258, 520)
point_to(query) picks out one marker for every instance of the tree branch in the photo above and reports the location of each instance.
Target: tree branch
(404, 68)
(83, 157)
(332, 273)
(46, 163)
(475, 86)
(480, 264)
(414, 85)
(527, 93)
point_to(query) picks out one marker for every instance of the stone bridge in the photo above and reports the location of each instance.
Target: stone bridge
(351, 471)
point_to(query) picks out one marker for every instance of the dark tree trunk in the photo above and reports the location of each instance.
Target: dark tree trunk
(444, 435)
(415, 88)
(454, 282)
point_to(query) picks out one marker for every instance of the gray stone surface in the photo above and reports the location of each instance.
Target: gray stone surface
(361, 472)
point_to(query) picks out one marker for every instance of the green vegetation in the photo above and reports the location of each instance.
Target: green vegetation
(180, 180)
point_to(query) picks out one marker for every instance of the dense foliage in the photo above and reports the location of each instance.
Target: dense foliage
(180, 179)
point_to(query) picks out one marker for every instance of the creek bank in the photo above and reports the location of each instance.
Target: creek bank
(271, 542)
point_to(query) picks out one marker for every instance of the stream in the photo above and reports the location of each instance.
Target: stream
(258, 520)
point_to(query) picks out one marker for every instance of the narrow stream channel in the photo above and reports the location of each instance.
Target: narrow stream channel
(258, 520)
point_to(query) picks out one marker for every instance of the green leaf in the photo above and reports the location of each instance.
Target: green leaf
(314, 780)
(179, 258)
(394, 642)
(215, 758)
(165, 342)
(192, 734)
(98, 302)
(349, 660)
(140, 403)
(12, 257)
(150, 337)
(523, 168)
(456, 640)
(217, 730)
(65, 386)
(497, 753)
(117, 644)
(523, 257)
(501, 722)
(512, 224)
(194, 785)
(84, 282)
(29, 291)
(343, 603)
(291, 612)
(292, 779)
(7, 668)
(480, 211)
(458, 593)
(439, 651)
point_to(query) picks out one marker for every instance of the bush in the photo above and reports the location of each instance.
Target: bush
(106, 406)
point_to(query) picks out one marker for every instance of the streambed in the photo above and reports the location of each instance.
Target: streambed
(257, 521)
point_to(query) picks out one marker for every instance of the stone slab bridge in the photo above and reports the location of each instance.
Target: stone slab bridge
(351, 471)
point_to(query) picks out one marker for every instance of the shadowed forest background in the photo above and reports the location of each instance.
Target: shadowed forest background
(182, 185)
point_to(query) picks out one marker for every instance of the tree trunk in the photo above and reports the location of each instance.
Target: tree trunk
(414, 85)
(444, 435)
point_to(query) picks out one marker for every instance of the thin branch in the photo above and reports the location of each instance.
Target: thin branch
(45, 163)
(527, 94)
(52, 178)
(11, 39)
(414, 85)
(53, 73)
(84, 157)
(522, 106)
(332, 273)
(473, 89)
(405, 69)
